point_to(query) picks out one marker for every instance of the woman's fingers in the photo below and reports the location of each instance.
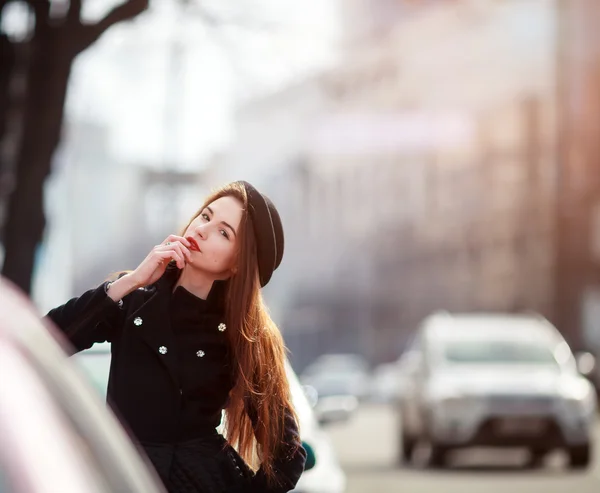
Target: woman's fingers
(177, 246)
(171, 254)
(175, 238)
(183, 250)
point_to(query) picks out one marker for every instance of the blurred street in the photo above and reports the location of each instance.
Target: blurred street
(366, 447)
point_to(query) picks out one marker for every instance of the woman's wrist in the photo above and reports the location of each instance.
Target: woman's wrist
(117, 290)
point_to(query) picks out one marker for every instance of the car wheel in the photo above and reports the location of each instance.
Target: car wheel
(438, 457)
(580, 456)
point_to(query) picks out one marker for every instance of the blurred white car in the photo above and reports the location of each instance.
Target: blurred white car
(335, 375)
(57, 435)
(386, 386)
(325, 476)
(494, 380)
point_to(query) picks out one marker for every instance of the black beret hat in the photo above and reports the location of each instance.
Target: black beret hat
(268, 231)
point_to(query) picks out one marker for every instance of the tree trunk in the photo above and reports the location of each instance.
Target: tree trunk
(7, 64)
(54, 47)
(48, 76)
(7, 60)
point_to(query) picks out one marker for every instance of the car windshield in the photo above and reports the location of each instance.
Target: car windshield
(486, 351)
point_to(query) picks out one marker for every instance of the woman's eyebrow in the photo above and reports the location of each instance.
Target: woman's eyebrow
(223, 222)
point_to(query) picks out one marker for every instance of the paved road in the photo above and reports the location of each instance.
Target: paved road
(367, 450)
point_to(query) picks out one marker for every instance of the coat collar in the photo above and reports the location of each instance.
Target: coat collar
(215, 301)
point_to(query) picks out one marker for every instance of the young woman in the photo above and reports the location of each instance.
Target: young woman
(191, 337)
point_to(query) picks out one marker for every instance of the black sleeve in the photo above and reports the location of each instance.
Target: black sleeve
(289, 461)
(87, 319)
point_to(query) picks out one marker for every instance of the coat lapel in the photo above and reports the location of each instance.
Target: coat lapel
(152, 323)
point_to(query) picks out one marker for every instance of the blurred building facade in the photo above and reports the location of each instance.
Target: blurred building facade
(423, 178)
(577, 287)
(440, 167)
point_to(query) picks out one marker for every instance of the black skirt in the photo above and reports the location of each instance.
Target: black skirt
(203, 465)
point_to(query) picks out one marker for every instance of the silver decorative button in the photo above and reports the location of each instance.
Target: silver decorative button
(162, 350)
(200, 353)
(222, 327)
(137, 321)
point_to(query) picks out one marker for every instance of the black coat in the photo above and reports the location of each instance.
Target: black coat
(144, 385)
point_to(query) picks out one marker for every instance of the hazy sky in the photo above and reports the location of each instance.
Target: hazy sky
(158, 113)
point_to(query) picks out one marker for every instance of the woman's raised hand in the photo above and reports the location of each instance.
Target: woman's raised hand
(153, 266)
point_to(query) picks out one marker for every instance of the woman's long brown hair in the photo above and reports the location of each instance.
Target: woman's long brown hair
(258, 354)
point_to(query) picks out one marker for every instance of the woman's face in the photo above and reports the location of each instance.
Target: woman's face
(215, 232)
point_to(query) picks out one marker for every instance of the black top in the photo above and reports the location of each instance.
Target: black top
(203, 365)
(170, 369)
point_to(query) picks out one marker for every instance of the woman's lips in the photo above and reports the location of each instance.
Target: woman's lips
(193, 245)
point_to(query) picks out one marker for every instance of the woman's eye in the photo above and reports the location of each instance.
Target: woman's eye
(224, 233)
(205, 216)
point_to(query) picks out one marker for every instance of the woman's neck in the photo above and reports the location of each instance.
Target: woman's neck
(199, 286)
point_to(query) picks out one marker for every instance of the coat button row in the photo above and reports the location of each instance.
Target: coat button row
(199, 353)
(138, 321)
(163, 349)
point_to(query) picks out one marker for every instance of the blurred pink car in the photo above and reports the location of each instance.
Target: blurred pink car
(57, 433)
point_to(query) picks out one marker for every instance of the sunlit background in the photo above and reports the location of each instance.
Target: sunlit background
(425, 155)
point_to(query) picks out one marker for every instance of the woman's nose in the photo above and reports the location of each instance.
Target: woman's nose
(201, 232)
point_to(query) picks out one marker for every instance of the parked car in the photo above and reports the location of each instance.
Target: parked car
(494, 380)
(327, 475)
(335, 375)
(57, 434)
(339, 382)
(386, 384)
(323, 473)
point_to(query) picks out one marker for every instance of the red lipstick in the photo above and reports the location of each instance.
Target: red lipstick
(193, 245)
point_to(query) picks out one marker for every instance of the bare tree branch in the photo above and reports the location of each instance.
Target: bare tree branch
(126, 11)
(41, 9)
(74, 15)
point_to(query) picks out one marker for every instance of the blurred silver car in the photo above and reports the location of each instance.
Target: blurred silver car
(494, 380)
(323, 474)
(57, 435)
(339, 382)
(386, 384)
(334, 375)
